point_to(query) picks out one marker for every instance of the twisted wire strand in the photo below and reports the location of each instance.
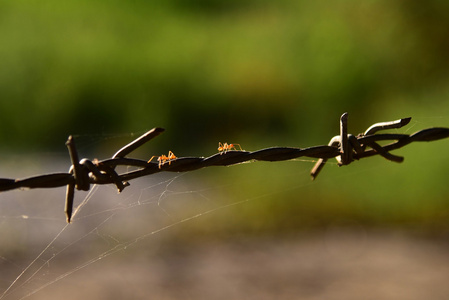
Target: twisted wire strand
(99, 172)
(345, 148)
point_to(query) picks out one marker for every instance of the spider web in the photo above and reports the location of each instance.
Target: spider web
(132, 244)
(43, 255)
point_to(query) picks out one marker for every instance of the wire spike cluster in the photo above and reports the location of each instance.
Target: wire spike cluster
(344, 147)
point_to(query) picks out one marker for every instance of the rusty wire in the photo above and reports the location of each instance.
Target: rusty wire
(344, 147)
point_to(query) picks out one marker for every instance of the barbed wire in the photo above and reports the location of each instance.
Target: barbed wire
(345, 148)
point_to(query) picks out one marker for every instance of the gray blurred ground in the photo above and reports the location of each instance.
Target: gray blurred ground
(329, 265)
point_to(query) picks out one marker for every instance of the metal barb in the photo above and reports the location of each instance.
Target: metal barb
(81, 180)
(345, 148)
(387, 125)
(138, 142)
(344, 145)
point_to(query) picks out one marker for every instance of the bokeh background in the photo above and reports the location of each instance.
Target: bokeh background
(257, 73)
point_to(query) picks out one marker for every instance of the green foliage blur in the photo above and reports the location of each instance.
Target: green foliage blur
(258, 73)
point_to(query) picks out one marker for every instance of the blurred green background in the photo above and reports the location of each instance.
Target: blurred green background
(258, 73)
